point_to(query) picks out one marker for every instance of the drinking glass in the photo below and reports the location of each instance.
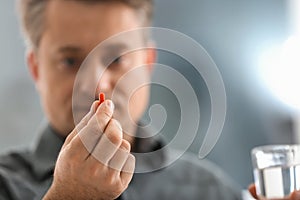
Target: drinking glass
(276, 170)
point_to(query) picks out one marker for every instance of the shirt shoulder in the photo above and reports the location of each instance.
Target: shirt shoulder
(15, 173)
(204, 175)
(188, 177)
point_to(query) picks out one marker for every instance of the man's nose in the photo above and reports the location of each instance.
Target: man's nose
(103, 84)
(93, 81)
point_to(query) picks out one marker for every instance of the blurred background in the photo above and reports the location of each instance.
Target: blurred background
(236, 33)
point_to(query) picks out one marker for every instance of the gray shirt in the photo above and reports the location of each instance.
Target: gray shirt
(28, 174)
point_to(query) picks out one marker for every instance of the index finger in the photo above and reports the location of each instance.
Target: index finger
(86, 118)
(82, 123)
(92, 132)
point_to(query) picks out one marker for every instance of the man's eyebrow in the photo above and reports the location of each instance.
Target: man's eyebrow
(69, 49)
(117, 47)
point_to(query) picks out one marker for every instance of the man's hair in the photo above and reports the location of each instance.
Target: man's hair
(32, 16)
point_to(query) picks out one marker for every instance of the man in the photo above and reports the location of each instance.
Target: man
(90, 158)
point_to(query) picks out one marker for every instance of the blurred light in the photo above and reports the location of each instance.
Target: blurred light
(295, 15)
(281, 71)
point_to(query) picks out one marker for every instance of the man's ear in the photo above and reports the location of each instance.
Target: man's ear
(33, 65)
(151, 57)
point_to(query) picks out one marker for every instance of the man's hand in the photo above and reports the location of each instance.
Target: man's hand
(95, 161)
(293, 196)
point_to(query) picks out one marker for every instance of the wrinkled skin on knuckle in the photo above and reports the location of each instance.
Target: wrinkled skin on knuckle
(115, 139)
(114, 136)
(126, 146)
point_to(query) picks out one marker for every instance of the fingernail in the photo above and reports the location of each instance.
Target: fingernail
(111, 105)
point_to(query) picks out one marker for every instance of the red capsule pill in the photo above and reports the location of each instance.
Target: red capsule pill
(101, 97)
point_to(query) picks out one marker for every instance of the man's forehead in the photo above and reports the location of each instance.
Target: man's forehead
(74, 31)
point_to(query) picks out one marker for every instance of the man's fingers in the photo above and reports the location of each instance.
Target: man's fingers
(89, 137)
(82, 123)
(104, 113)
(118, 160)
(109, 142)
(92, 132)
(88, 116)
(252, 191)
(92, 127)
(128, 169)
(295, 195)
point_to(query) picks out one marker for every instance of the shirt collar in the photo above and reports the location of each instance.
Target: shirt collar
(46, 151)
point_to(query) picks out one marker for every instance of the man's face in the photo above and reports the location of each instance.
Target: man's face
(72, 30)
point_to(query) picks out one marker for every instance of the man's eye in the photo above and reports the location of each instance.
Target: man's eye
(69, 62)
(118, 60)
(110, 60)
(115, 62)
